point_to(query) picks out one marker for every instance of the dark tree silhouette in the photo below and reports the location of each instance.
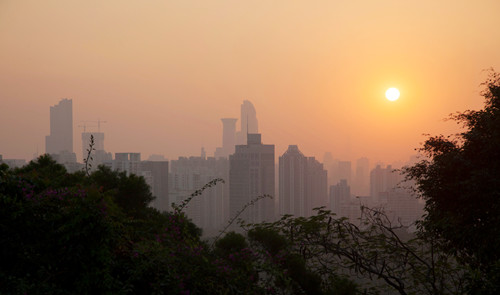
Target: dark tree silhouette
(460, 182)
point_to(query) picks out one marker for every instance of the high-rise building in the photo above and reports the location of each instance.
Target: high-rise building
(228, 138)
(317, 185)
(251, 174)
(332, 166)
(402, 207)
(128, 162)
(208, 210)
(293, 197)
(61, 128)
(361, 183)
(345, 171)
(156, 175)
(383, 180)
(340, 198)
(248, 122)
(390, 191)
(302, 183)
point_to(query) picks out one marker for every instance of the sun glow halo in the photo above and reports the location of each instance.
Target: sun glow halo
(392, 94)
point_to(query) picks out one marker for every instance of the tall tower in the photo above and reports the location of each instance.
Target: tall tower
(292, 182)
(61, 128)
(251, 174)
(228, 136)
(317, 185)
(361, 183)
(340, 195)
(248, 121)
(303, 183)
(383, 180)
(345, 171)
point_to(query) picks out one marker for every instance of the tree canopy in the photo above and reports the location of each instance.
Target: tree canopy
(460, 182)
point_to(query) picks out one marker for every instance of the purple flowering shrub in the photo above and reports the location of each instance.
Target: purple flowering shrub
(50, 236)
(66, 233)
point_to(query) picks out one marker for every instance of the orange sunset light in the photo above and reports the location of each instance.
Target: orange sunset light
(163, 74)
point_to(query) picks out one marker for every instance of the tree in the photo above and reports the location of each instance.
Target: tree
(373, 250)
(53, 239)
(460, 182)
(131, 192)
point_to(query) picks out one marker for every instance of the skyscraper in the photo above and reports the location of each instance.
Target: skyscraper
(344, 171)
(228, 136)
(361, 183)
(293, 197)
(61, 128)
(208, 210)
(303, 183)
(340, 198)
(248, 122)
(317, 184)
(156, 174)
(251, 174)
(383, 180)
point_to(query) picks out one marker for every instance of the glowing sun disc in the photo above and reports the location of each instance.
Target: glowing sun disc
(392, 94)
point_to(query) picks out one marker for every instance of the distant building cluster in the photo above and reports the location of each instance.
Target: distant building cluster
(296, 183)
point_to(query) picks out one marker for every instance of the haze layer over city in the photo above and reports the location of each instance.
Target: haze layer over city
(163, 74)
(250, 147)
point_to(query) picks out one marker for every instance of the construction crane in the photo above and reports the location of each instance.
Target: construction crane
(85, 125)
(93, 126)
(99, 124)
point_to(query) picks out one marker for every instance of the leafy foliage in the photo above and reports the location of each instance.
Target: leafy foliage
(66, 233)
(373, 250)
(460, 182)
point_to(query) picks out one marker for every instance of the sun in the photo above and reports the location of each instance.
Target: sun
(392, 94)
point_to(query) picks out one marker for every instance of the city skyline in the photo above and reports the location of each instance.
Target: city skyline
(147, 70)
(100, 156)
(296, 184)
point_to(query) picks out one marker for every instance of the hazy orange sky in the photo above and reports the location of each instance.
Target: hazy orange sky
(163, 73)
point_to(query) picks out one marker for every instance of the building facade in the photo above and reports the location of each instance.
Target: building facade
(208, 210)
(293, 198)
(61, 128)
(248, 122)
(251, 174)
(302, 183)
(156, 175)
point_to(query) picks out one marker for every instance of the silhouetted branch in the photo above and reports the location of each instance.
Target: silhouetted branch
(235, 217)
(213, 182)
(87, 161)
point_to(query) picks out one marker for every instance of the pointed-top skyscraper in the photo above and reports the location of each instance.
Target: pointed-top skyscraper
(248, 121)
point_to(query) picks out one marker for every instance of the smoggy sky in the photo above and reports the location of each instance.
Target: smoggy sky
(163, 73)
